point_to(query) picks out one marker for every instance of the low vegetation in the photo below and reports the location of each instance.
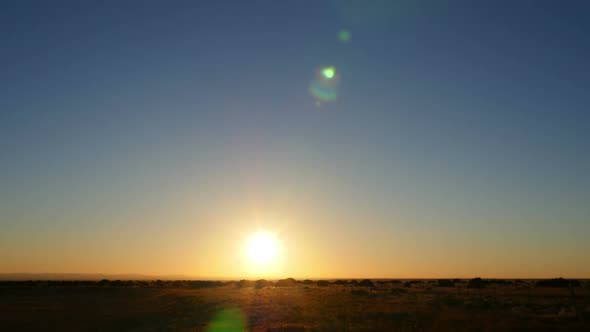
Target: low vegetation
(292, 305)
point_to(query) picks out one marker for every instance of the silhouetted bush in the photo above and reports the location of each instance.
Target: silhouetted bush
(262, 283)
(499, 282)
(445, 283)
(323, 283)
(383, 282)
(477, 283)
(340, 282)
(142, 283)
(289, 282)
(246, 283)
(410, 283)
(104, 282)
(204, 283)
(159, 283)
(558, 282)
(366, 283)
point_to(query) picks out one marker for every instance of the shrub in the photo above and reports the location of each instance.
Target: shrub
(477, 283)
(245, 283)
(409, 283)
(340, 282)
(445, 283)
(558, 282)
(289, 282)
(366, 283)
(262, 283)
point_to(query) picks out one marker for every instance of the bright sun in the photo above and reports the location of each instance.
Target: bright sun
(262, 248)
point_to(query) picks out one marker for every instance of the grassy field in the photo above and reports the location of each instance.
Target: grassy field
(298, 306)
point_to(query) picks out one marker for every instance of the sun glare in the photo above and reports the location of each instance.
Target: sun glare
(262, 248)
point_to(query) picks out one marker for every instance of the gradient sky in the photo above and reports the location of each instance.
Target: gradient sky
(153, 137)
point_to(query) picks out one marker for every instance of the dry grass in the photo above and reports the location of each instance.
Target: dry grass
(385, 307)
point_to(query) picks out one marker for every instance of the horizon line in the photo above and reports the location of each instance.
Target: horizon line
(140, 276)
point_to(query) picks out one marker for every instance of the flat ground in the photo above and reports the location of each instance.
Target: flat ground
(387, 306)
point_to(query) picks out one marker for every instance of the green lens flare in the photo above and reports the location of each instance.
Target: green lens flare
(329, 72)
(324, 87)
(228, 320)
(344, 36)
(323, 92)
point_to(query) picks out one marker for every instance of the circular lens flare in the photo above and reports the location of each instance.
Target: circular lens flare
(324, 87)
(344, 36)
(329, 72)
(230, 319)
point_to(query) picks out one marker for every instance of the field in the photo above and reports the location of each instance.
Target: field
(289, 305)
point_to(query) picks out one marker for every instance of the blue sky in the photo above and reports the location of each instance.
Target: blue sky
(462, 124)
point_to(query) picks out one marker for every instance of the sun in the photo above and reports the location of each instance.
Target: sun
(262, 248)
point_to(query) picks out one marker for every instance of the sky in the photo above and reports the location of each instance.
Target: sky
(154, 137)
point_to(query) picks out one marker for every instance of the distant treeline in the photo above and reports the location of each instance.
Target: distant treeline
(290, 282)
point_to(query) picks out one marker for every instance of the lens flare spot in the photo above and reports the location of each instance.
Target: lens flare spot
(324, 87)
(230, 319)
(329, 72)
(323, 92)
(344, 36)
